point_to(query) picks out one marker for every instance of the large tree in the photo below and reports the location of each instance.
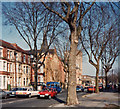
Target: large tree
(99, 27)
(71, 13)
(36, 26)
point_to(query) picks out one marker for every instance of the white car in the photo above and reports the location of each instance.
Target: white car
(26, 91)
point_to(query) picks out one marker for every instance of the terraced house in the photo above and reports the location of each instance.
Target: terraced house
(14, 65)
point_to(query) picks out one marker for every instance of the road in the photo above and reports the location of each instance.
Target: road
(34, 102)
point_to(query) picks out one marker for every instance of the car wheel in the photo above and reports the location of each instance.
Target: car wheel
(38, 97)
(49, 96)
(5, 97)
(29, 96)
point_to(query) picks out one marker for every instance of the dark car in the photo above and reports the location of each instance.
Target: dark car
(3, 94)
(12, 93)
(55, 85)
(79, 89)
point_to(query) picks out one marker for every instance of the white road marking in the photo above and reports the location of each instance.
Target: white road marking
(18, 101)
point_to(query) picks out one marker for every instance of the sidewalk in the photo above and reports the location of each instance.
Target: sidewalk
(102, 99)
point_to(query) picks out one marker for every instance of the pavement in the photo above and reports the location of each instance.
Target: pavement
(103, 100)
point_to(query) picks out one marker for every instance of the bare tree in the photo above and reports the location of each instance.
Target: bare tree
(113, 76)
(110, 53)
(72, 13)
(98, 29)
(36, 26)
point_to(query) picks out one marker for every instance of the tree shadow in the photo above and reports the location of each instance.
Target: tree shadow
(59, 100)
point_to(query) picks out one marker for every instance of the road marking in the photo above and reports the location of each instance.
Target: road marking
(17, 101)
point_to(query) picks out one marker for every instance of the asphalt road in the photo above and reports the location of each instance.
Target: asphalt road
(34, 102)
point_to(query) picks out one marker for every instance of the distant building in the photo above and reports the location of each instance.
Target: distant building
(88, 80)
(79, 67)
(52, 70)
(15, 69)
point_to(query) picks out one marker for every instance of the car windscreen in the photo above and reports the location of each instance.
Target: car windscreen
(22, 89)
(91, 87)
(14, 89)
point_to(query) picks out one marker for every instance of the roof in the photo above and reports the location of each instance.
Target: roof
(12, 46)
(51, 51)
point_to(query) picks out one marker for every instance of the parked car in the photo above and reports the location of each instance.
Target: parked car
(47, 92)
(79, 89)
(55, 85)
(12, 92)
(100, 88)
(85, 89)
(91, 89)
(3, 94)
(26, 92)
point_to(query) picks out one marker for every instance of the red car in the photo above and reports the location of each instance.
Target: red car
(91, 89)
(48, 92)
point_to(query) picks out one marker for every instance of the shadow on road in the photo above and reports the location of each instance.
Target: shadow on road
(59, 100)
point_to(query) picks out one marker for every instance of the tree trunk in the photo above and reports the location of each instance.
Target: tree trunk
(97, 85)
(71, 94)
(105, 80)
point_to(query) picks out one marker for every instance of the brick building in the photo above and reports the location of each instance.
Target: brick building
(52, 70)
(14, 65)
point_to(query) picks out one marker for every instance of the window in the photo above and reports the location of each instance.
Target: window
(19, 81)
(41, 69)
(8, 54)
(0, 81)
(24, 59)
(1, 50)
(19, 69)
(26, 69)
(24, 82)
(4, 65)
(16, 57)
(4, 81)
(27, 81)
(8, 67)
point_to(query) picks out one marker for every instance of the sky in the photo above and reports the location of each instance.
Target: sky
(9, 34)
